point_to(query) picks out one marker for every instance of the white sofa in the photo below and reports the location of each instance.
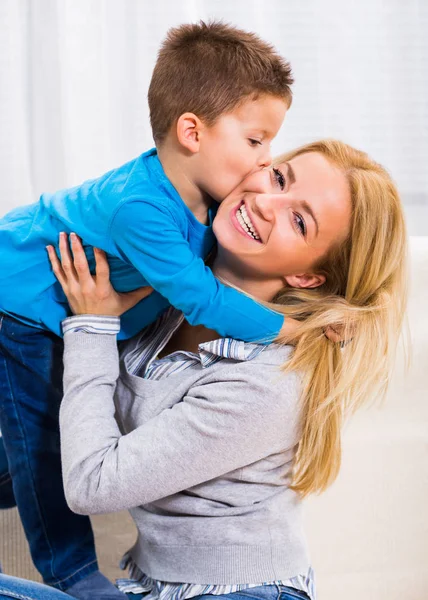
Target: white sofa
(368, 533)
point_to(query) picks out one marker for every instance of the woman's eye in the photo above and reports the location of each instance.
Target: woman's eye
(300, 224)
(279, 178)
(255, 142)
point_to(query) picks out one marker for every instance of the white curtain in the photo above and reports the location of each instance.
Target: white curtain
(74, 76)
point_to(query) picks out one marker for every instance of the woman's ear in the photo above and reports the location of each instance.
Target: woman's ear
(188, 131)
(305, 280)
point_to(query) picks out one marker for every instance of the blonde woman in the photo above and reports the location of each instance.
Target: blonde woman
(212, 443)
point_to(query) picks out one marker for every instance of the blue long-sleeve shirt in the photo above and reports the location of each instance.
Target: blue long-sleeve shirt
(150, 236)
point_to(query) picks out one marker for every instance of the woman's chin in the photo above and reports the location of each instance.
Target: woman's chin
(227, 240)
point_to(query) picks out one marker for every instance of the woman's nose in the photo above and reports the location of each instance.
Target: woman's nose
(268, 204)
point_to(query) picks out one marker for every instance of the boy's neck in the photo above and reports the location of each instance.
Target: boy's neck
(174, 164)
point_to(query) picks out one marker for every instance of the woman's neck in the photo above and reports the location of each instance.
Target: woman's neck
(188, 338)
(234, 271)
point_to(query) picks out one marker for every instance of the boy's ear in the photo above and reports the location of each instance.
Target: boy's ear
(305, 280)
(189, 128)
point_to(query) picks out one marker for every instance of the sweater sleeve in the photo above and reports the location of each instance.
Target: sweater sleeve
(148, 237)
(216, 428)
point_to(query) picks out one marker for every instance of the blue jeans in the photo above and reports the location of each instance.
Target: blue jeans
(23, 589)
(12, 587)
(265, 592)
(61, 542)
(7, 499)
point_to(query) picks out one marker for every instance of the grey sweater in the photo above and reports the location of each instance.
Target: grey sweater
(201, 458)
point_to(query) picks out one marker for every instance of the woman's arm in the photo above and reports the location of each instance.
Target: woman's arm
(215, 428)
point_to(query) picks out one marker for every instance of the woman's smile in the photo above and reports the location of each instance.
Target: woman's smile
(243, 223)
(287, 227)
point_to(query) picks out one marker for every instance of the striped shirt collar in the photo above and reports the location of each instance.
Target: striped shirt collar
(228, 348)
(143, 359)
(209, 351)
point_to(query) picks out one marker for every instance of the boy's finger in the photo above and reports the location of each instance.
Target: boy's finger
(66, 259)
(79, 259)
(56, 266)
(333, 334)
(336, 333)
(102, 268)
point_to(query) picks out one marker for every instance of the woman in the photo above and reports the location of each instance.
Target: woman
(210, 443)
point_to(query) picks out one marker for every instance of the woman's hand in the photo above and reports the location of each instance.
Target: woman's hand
(86, 293)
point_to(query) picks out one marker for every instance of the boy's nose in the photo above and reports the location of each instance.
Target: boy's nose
(265, 159)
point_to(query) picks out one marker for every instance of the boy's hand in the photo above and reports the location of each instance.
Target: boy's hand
(86, 293)
(335, 333)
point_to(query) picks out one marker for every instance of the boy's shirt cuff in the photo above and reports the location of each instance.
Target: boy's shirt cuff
(103, 324)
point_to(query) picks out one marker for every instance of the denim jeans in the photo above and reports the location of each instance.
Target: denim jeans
(7, 499)
(12, 587)
(265, 592)
(61, 542)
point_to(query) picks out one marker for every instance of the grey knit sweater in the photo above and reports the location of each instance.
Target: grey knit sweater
(201, 458)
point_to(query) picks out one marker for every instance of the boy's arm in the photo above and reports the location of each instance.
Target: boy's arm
(148, 236)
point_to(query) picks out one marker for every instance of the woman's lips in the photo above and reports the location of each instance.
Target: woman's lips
(237, 224)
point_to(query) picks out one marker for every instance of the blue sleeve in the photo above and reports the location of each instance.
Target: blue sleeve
(149, 238)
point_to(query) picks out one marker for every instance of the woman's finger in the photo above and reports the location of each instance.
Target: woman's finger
(130, 299)
(56, 267)
(141, 293)
(102, 269)
(66, 258)
(79, 259)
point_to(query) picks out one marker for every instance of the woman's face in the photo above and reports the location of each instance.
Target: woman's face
(279, 222)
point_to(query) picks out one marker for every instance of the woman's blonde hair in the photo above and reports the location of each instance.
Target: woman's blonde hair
(366, 291)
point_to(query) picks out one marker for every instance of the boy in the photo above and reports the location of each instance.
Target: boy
(217, 98)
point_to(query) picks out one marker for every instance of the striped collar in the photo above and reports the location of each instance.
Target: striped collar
(143, 359)
(237, 350)
(228, 348)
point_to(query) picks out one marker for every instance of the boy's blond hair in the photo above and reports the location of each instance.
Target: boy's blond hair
(208, 69)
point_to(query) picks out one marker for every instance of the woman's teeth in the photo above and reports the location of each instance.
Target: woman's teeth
(245, 222)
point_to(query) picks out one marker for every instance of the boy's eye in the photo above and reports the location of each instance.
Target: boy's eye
(254, 142)
(279, 177)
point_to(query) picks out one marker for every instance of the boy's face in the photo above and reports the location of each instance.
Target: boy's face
(238, 144)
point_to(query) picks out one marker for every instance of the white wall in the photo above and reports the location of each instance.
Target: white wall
(74, 76)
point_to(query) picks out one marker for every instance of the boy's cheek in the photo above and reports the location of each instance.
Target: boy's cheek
(230, 178)
(225, 191)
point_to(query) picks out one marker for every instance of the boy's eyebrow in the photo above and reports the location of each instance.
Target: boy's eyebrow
(292, 179)
(264, 132)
